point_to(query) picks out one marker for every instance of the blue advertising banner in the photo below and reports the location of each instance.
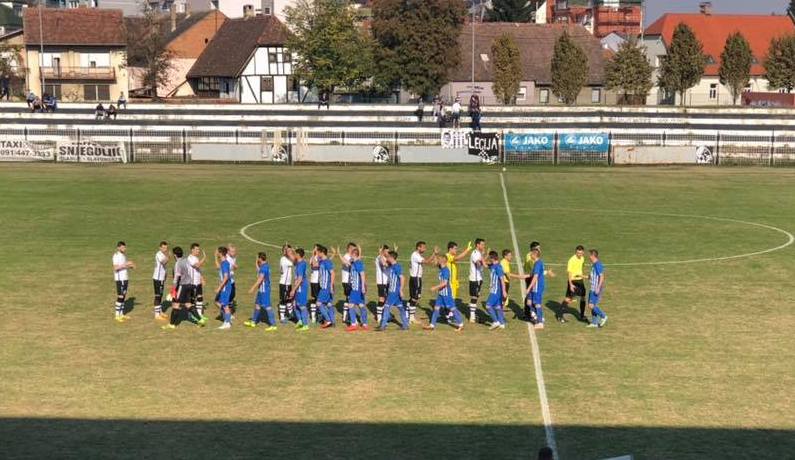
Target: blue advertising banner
(585, 142)
(526, 143)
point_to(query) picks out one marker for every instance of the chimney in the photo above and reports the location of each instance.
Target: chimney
(173, 17)
(705, 8)
(248, 11)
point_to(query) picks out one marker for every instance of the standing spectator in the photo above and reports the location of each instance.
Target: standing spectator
(99, 111)
(4, 91)
(122, 102)
(31, 97)
(324, 100)
(420, 112)
(474, 111)
(111, 112)
(435, 108)
(456, 113)
(442, 111)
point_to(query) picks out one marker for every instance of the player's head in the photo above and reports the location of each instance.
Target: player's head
(299, 253)
(441, 261)
(391, 257)
(195, 249)
(350, 247)
(177, 252)
(232, 250)
(494, 257)
(384, 250)
(452, 247)
(355, 252)
(480, 244)
(593, 255)
(286, 249)
(535, 253)
(262, 256)
(322, 251)
(535, 245)
(222, 251)
(121, 246)
(420, 246)
(507, 254)
(164, 247)
(579, 250)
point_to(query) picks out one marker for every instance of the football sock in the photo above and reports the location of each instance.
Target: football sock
(500, 315)
(313, 310)
(227, 316)
(158, 309)
(304, 315)
(435, 316)
(352, 316)
(345, 311)
(540, 313)
(119, 309)
(404, 315)
(174, 316)
(363, 315)
(597, 312)
(331, 312)
(255, 315)
(457, 315)
(282, 310)
(472, 311)
(271, 318)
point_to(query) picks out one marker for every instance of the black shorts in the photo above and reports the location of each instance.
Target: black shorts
(121, 288)
(579, 289)
(198, 290)
(284, 294)
(474, 288)
(185, 294)
(314, 289)
(383, 290)
(159, 287)
(346, 288)
(232, 295)
(415, 287)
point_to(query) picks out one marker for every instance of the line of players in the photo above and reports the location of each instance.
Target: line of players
(301, 277)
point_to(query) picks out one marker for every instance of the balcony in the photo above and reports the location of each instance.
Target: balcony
(78, 73)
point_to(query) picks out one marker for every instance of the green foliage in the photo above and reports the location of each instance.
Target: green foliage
(418, 43)
(780, 63)
(507, 68)
(329, 48)
(630, 73)
(791, 9)
(147, 47)
(735, 64)
(511, 11)
(10, 58)
(683, 66)
(569, 69)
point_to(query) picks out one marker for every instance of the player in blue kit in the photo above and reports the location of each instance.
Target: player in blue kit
(498, 292)
(445, 297)
(224, 291)
(300, 290)
(325, 298)
(263, 289)
(598, 317)
(357, 311)
(394, 297)
(534, 306)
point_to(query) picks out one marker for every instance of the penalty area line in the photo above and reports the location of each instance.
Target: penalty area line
(549, 430)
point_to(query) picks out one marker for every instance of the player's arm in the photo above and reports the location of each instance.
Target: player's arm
(601, 283)
(402, 284)
(223, 283)
(260, 280)
(518, 277)
(332, 280)
(364, 283)
(296, 282)
(440, 286)
(571, 280)
(533, 283)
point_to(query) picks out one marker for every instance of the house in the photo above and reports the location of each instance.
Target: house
(186, 36)
(536, 43)
(712, 30)
(11, 15)
(602, 17)
(16, 73)
(246, 62)
(613, 41)
(84, 53)
(239, 8)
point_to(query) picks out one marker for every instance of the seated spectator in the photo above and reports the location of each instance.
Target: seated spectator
(36, 105)
(4, 88)
(50, 103)
(111, 112)
(30, 98)
(122, 102)
(324, 100)
(99, 111)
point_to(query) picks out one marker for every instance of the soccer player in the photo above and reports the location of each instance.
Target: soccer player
(453, 257)
(159, 278)
(286, 266)
(507, 260)
(475, 277)
(325, 298)
(598, 317)
(194, 271)
(381, 280)
(345, 262)
(231, 257)
(224, 290)
(575, 286)
(263, 289)
(394, 297)
(445, 297)
(314, 281)
(534, 307)
(121, 268)
(497, 292)
(300, 290)
(415, 276)
(358, 281)
(184, 296)
(528, 260)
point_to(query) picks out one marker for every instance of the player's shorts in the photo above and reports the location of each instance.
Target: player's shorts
(474, 288)
(263, 299)
(121, 288)
(232, 294)
(494, 300)
(393, 300)
(301, 296)
(356, 298)
(325, 296)
(185, 293)
(415, 287)
(315, 289)
(383, 290)
(225, 296)
(346, 289)
(579, 289)
(284, 294)
(594, 299)
(535, 298)
(159, 287)
(445, 302)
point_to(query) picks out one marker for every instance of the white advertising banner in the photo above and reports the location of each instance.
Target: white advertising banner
(91, 152)
(22, 150)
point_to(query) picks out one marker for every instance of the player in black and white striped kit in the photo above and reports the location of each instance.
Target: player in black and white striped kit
(286, 270)
(121, 266)
(159, 278)
(475, 277)
(381, 280)
(314, 282)
(415, 276)
(195, 264)
(345, 261)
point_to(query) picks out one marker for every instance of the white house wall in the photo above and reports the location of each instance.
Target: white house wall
(262, 64)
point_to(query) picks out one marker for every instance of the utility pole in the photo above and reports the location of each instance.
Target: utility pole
(41, 49)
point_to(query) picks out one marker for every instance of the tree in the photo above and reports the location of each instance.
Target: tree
(507, 68)
(682, 67)
(418, 43)
(147, 47)
(512, 11)
(569, 69)
(791, 10)
(329, 49)
(10, 58)
(630, 73)
(735, 64)
(780, 63)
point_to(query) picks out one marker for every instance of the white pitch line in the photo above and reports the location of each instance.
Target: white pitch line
(549, 430)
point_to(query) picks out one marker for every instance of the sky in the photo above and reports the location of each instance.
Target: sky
(656, 8)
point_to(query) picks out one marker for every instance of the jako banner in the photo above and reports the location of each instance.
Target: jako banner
(526, 143)
(585, 142)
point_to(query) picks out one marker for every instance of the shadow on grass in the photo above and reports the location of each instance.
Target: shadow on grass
(129, 305)
(73, 438)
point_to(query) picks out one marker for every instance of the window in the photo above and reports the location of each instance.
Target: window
(596, 95)
(208, 84)
(96, 92)
(266, 84)
(272, 58)
(522, 94)
(53, 90)
(292, 83)
(713, 91)
(543, 96)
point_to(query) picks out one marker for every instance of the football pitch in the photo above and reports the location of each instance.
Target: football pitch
(695, 362)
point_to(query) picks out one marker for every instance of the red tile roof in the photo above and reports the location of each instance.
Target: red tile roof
(713, 30)
(77, 26)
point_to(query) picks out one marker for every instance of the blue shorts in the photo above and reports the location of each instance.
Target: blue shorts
(494, 300)
(445, 302)
(263, 299)
(225, 296)
(325, 296)
(594, 299)
(356, 298)
(535, 298)
(393, 300)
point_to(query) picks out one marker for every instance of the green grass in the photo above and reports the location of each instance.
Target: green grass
(696, 361)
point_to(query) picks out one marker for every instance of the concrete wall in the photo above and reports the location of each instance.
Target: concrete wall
(434, 154)
(654, 155)
(533, 94)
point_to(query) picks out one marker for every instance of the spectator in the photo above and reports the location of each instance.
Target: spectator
(456, 112)
(50, 103)
(435, 107)
(30, 98)
(545, 453)
(122, 101)
(36, 105)
(4, 91)
(99, 111)
(474, 112)
(420, 112)
(111, 112)
(442, 114)
(324, 100)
